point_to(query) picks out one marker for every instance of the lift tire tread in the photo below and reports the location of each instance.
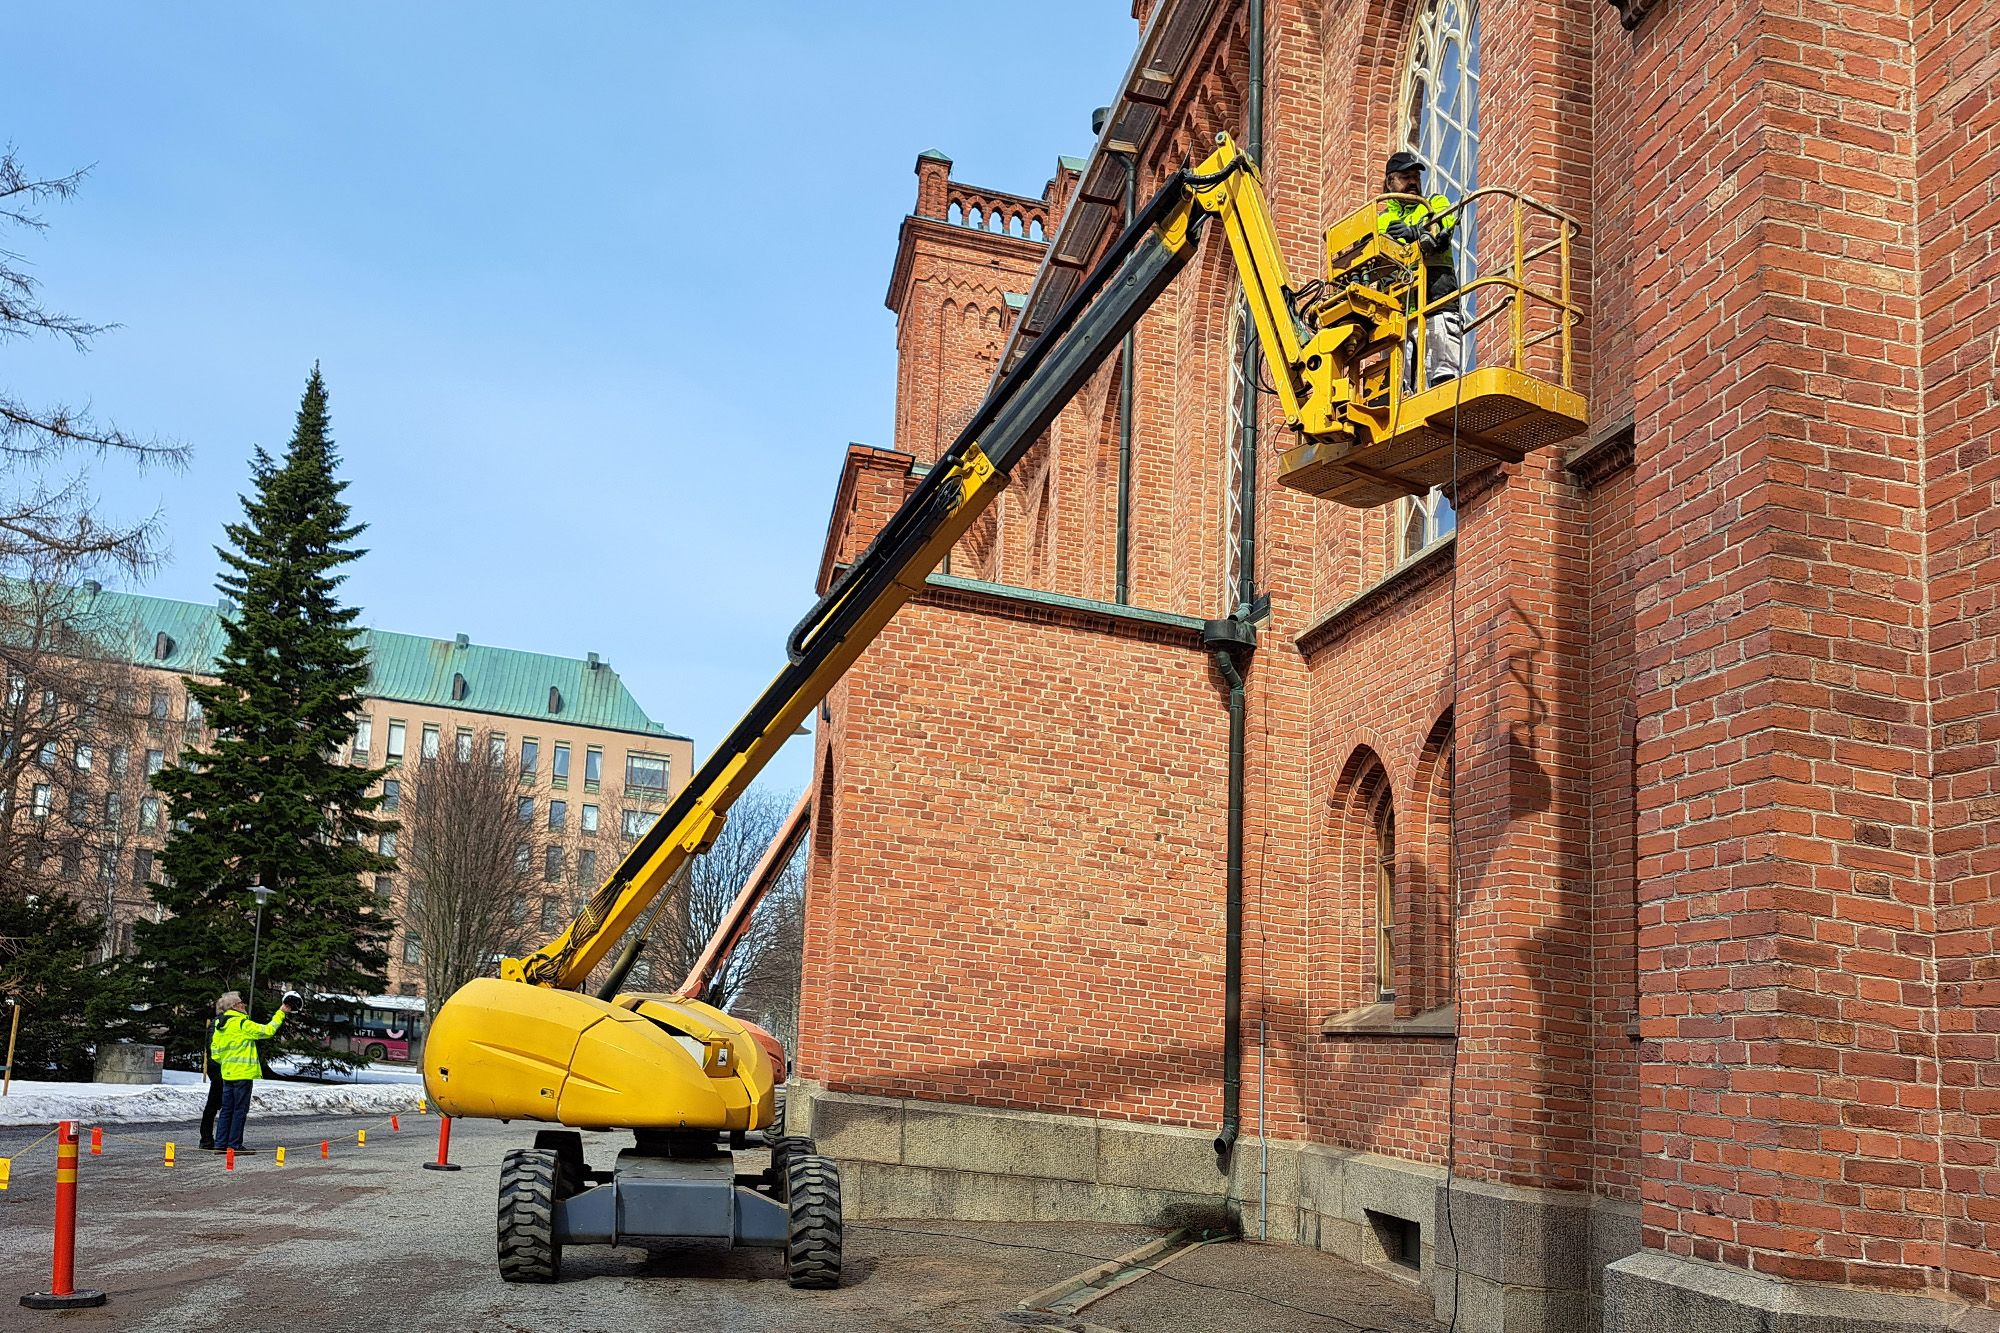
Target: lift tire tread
(812, 1193)
(529, 1251)
(783, 1149)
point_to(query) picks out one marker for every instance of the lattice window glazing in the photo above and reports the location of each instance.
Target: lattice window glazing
(1440, 124)
(1232, 456)
(1440, 119)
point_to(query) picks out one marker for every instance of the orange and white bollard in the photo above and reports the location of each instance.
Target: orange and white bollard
(62, 1293)
(444, 1162)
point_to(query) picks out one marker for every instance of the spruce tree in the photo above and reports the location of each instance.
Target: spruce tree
(267, 802)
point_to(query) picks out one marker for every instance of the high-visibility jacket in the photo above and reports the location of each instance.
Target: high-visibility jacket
(233, 1048)
(1436, 210)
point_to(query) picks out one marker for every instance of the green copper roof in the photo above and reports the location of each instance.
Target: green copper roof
(187, 636)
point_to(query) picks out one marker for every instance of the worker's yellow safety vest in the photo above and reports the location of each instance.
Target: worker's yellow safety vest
(1437, 209)
(234, 1045)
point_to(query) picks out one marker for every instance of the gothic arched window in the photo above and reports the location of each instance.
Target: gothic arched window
(1440, 124)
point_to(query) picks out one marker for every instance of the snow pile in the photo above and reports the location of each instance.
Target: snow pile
(140, 1103)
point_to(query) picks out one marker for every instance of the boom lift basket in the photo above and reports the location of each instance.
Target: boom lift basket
(1405, 442)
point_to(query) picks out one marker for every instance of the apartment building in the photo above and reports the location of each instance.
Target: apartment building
(594, 769)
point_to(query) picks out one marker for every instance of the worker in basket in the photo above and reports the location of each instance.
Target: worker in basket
(1429, 224)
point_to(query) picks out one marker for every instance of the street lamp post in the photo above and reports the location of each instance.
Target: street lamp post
(263, 895)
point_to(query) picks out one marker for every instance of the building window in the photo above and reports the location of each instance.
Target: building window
(155, 761)
(523, 854)
(47, 758)
(531, 754)
(191, 713)
(79, 808)
(72, 863)
(385, 888)
(397, 731)
(463, 751)
(142, 868)
(593, 768)
(642, 972)
(85, 757)
(121, 760)
(552, 912)
(364, 736)
(586, 867)
(558, 814)
(496, 749)
(149, 813)
(524, 810)
(1426, 519)
(413, 950)
(1385, 899)
(107, 866)
(636, 822)
(1440, 124)
(430, 742)
(559, 764)
(113, 809)
(39, 804)
(517, 911)
(552, 865)
(1233, 404)
(392, 796)
(160, 705)
(645, 773)
(587, 820)
(385, 844)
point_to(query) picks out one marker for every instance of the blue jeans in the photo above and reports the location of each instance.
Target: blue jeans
(235, 1109)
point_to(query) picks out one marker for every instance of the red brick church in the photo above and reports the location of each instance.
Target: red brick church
(1617, 871)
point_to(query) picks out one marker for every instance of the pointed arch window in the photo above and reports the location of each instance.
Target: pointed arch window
(1439, 122)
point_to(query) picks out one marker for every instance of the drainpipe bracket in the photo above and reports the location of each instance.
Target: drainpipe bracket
(1229, 635)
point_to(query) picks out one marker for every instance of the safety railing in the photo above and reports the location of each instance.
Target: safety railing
(1525, 302)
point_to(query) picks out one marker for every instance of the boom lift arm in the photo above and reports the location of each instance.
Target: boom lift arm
(543, 1051)
(682, 1074)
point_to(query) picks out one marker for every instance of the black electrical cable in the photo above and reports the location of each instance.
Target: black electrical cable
(1185, 1282)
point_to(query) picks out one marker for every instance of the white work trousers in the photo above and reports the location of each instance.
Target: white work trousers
(1444, 347)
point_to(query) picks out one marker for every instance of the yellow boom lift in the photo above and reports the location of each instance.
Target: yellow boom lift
(694, 1084)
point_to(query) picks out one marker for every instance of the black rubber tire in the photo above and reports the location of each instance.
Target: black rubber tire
(783, 1149)
(777, 1125)
(567, 1145)
(376, 1051)
(812, 1250)
(529, 1251)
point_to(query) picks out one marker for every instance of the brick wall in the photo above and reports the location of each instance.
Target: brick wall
(1957, 164)
(1688, 735)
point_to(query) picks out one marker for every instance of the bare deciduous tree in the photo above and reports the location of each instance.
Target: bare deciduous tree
(464, 879)
(759, 980)
(73, 748)
(41, 519)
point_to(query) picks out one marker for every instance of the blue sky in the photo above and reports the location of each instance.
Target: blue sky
(597, 288)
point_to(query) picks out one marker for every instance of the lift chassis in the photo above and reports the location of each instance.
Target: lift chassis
(695, 1085)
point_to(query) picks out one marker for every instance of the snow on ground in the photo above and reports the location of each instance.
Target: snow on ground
(139, 1103)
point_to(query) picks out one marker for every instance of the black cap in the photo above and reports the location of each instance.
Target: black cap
(1405, 161)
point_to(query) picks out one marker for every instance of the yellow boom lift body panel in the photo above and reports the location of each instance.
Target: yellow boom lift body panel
(530, 1045)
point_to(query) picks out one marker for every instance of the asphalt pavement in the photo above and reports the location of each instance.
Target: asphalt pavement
(367, 1240)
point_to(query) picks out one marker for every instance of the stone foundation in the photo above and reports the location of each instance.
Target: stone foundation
(1532, 1260)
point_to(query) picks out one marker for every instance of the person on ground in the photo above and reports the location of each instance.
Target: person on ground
(1429, 223)
(211, 1074)
(233, 1049)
